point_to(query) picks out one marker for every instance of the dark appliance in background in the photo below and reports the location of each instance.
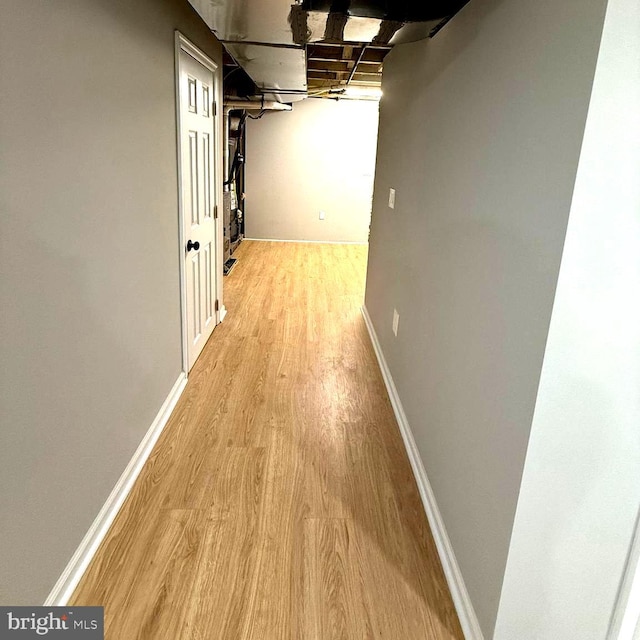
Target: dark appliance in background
(233, 197)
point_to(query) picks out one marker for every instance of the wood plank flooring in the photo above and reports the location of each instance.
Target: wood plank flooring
(279, 503)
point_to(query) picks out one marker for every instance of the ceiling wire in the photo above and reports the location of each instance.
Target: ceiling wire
(355, 66)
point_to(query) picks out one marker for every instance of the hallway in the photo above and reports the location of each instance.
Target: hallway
(279, 502)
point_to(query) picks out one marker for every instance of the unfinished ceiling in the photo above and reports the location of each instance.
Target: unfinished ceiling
(318, 47)
(331, 67)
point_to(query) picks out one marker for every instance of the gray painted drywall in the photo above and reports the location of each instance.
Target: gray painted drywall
(580, 492)
(90, 288)
(480, 134)
(319, 157)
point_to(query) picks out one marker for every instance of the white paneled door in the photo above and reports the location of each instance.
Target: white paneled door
(197, 148)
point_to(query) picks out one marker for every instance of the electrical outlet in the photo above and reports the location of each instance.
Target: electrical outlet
(392, 198)
(396, 320)
(321, 216)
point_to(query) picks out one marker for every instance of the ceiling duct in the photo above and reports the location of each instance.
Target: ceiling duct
(399, 20)
(258, 35)
(397, 10)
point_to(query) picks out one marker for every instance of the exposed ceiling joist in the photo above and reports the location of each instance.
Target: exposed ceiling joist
(342, 65)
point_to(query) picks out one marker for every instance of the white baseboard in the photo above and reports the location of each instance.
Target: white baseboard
(459, 594)
(68, 581)
(307, 241)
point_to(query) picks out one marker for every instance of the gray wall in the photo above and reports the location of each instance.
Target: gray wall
(90, 290)
(580, 493)
(480, 133)
(319, 157)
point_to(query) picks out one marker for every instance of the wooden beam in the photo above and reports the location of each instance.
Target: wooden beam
(367, 78)
(327, 65)
(365, 83)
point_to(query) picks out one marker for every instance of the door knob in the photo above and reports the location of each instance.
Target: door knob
(193, 245)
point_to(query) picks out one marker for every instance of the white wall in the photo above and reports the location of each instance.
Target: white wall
(581, 488)
(319, 157)
(480, 135)
(89, 294)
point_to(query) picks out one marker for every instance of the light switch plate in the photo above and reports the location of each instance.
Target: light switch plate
(392, 198)
(396, 320)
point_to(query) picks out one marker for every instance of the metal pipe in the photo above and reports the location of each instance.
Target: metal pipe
(266, 105)
(226, 136)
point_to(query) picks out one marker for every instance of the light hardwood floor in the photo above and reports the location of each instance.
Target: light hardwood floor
(279, 503)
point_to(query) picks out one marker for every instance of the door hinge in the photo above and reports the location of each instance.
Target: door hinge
(217, 305)
(215, 108)
(215, 211)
